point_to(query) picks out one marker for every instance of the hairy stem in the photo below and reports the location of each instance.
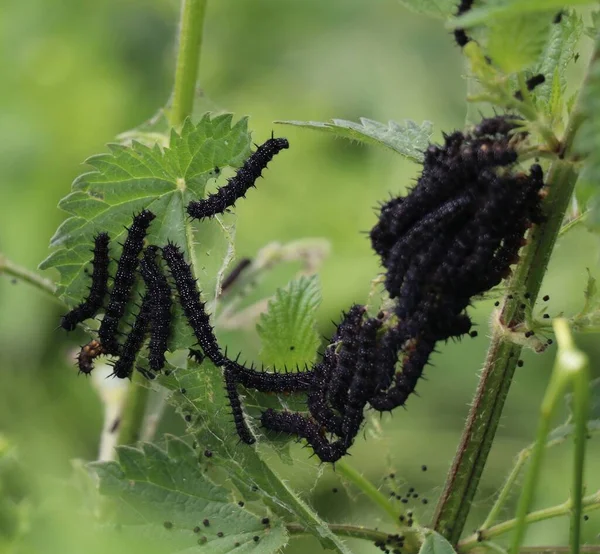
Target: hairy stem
(484, 416)
(186, 71)
(589, 503)
(134, 410)
(9, 268)
(352, 531)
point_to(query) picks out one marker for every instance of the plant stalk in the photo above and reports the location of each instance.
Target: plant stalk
(188, 57)
(134, 410)
(45, 285)
(476, 441)
(589, 503)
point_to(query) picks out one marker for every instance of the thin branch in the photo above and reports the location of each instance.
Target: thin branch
(45, 285)
(589, 503)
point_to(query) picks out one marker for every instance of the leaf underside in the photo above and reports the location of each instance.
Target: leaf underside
(408, 139)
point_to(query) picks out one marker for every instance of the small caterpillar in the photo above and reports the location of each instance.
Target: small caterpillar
(236, 408)
(160, 308)
(234, 274)
(296, 424)
(123, 281)
(193, 307)
(88, 353)
(98, 290)
(123, 367)
(238, 185)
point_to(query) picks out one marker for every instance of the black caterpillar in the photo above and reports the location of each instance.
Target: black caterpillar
(238, 185)
(159, 293)
(98, 289)
(452, 237)
(460, 36)
(123, 281)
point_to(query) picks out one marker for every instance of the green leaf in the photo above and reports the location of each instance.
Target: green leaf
(557, 54)
(163, 180)
(288, 329)
(512, 8)
(165, 495)
(434, 543)
(432, 8)
(515, 43)
(408, 139)
(587, 143)
(563, 432)
(198, 391)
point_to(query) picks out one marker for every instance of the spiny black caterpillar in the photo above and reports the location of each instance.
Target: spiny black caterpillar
(98, 289)
(452, 237)
(123, 281)
(238, 185)
(154, 309)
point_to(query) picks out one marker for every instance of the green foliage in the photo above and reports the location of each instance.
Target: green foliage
(516, 42)
(198, 392)
(588, 144)
(434, 543)
(409, 139)
(288, 329)
(433, 8)
(491, 12)
(163, 494)
(163, 180)
(558, 52)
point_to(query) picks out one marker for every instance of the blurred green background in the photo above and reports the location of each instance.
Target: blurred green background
(75, 74)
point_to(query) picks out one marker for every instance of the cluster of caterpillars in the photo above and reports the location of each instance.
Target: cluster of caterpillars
(452, 237)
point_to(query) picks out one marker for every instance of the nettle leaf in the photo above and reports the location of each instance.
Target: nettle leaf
(510, 8)
(557, 54)
(515, 43)
(198, 391)
(433, 8)
(434, 543)
(164, 495)
(163, 180)
(408, 139)
(288, 329)
(587, 143)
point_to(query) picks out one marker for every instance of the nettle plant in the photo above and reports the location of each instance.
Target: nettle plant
(486, 211)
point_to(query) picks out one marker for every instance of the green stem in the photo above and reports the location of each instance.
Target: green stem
(506, 490)
(352, 531)
(476, 441)
(368, 489)
(520, 462)
(575, 364)
(9, 268)
(134, 410)
(556, 549)
(554, 393)
(356, 532)
(501, 361)
(589, 503)
(188, 57)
